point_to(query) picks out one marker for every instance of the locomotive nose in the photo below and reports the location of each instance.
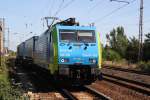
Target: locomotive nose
(78, 53)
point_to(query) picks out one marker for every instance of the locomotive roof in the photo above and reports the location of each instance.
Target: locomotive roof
(76, 27)
(32, 37)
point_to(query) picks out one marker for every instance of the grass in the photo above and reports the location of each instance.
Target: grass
(7, 91)
(121, 63)
(144, 66)
(141, 66)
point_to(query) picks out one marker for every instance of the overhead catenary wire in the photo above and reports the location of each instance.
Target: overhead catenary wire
(59, 8)
(65, 6)
(42, 11)
(112, 12)
(54, 18)
(51, 7)
(123, 1)
(51, 4)
(91, 9)
(46, 5)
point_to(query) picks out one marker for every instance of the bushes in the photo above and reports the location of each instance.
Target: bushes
(114, 56)
(111, 55)
(2, 66)
(144, 66)
(104, 54)
(132, 50)
(7, 91)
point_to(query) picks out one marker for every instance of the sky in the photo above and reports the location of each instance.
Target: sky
(24, 18)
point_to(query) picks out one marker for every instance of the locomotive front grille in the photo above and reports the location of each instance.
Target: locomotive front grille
(79, 72)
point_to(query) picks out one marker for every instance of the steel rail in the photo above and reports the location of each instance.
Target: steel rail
(127, 70)
(128, 80)
(131, 84)
(68, 95)
(97, 94)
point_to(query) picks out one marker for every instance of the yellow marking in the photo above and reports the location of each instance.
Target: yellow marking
(99, 51)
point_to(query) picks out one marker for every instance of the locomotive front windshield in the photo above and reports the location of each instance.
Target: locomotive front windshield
(77, 36)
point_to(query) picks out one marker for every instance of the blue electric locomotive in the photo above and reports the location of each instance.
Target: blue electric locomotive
(69, 52)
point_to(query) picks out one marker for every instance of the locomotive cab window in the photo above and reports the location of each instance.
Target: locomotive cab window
(77, 36)
(86, 36)
(68, 36)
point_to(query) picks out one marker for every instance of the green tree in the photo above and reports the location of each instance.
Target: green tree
(113, 39)
(104, 54)
(119, 41)
(132, 50)
(110, 55)
(146, 48)
(113, 55)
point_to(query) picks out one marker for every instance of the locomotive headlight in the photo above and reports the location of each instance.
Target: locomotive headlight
(93, 61)
(64, 60)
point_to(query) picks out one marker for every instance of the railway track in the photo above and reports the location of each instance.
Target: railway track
(84, 93)
(131, 84)
(89, 94)
(43, 88)
(98, 95)
(68, 95)
(127, 70)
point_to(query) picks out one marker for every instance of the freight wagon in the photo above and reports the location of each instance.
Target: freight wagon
(29, 49)
(20, 53)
